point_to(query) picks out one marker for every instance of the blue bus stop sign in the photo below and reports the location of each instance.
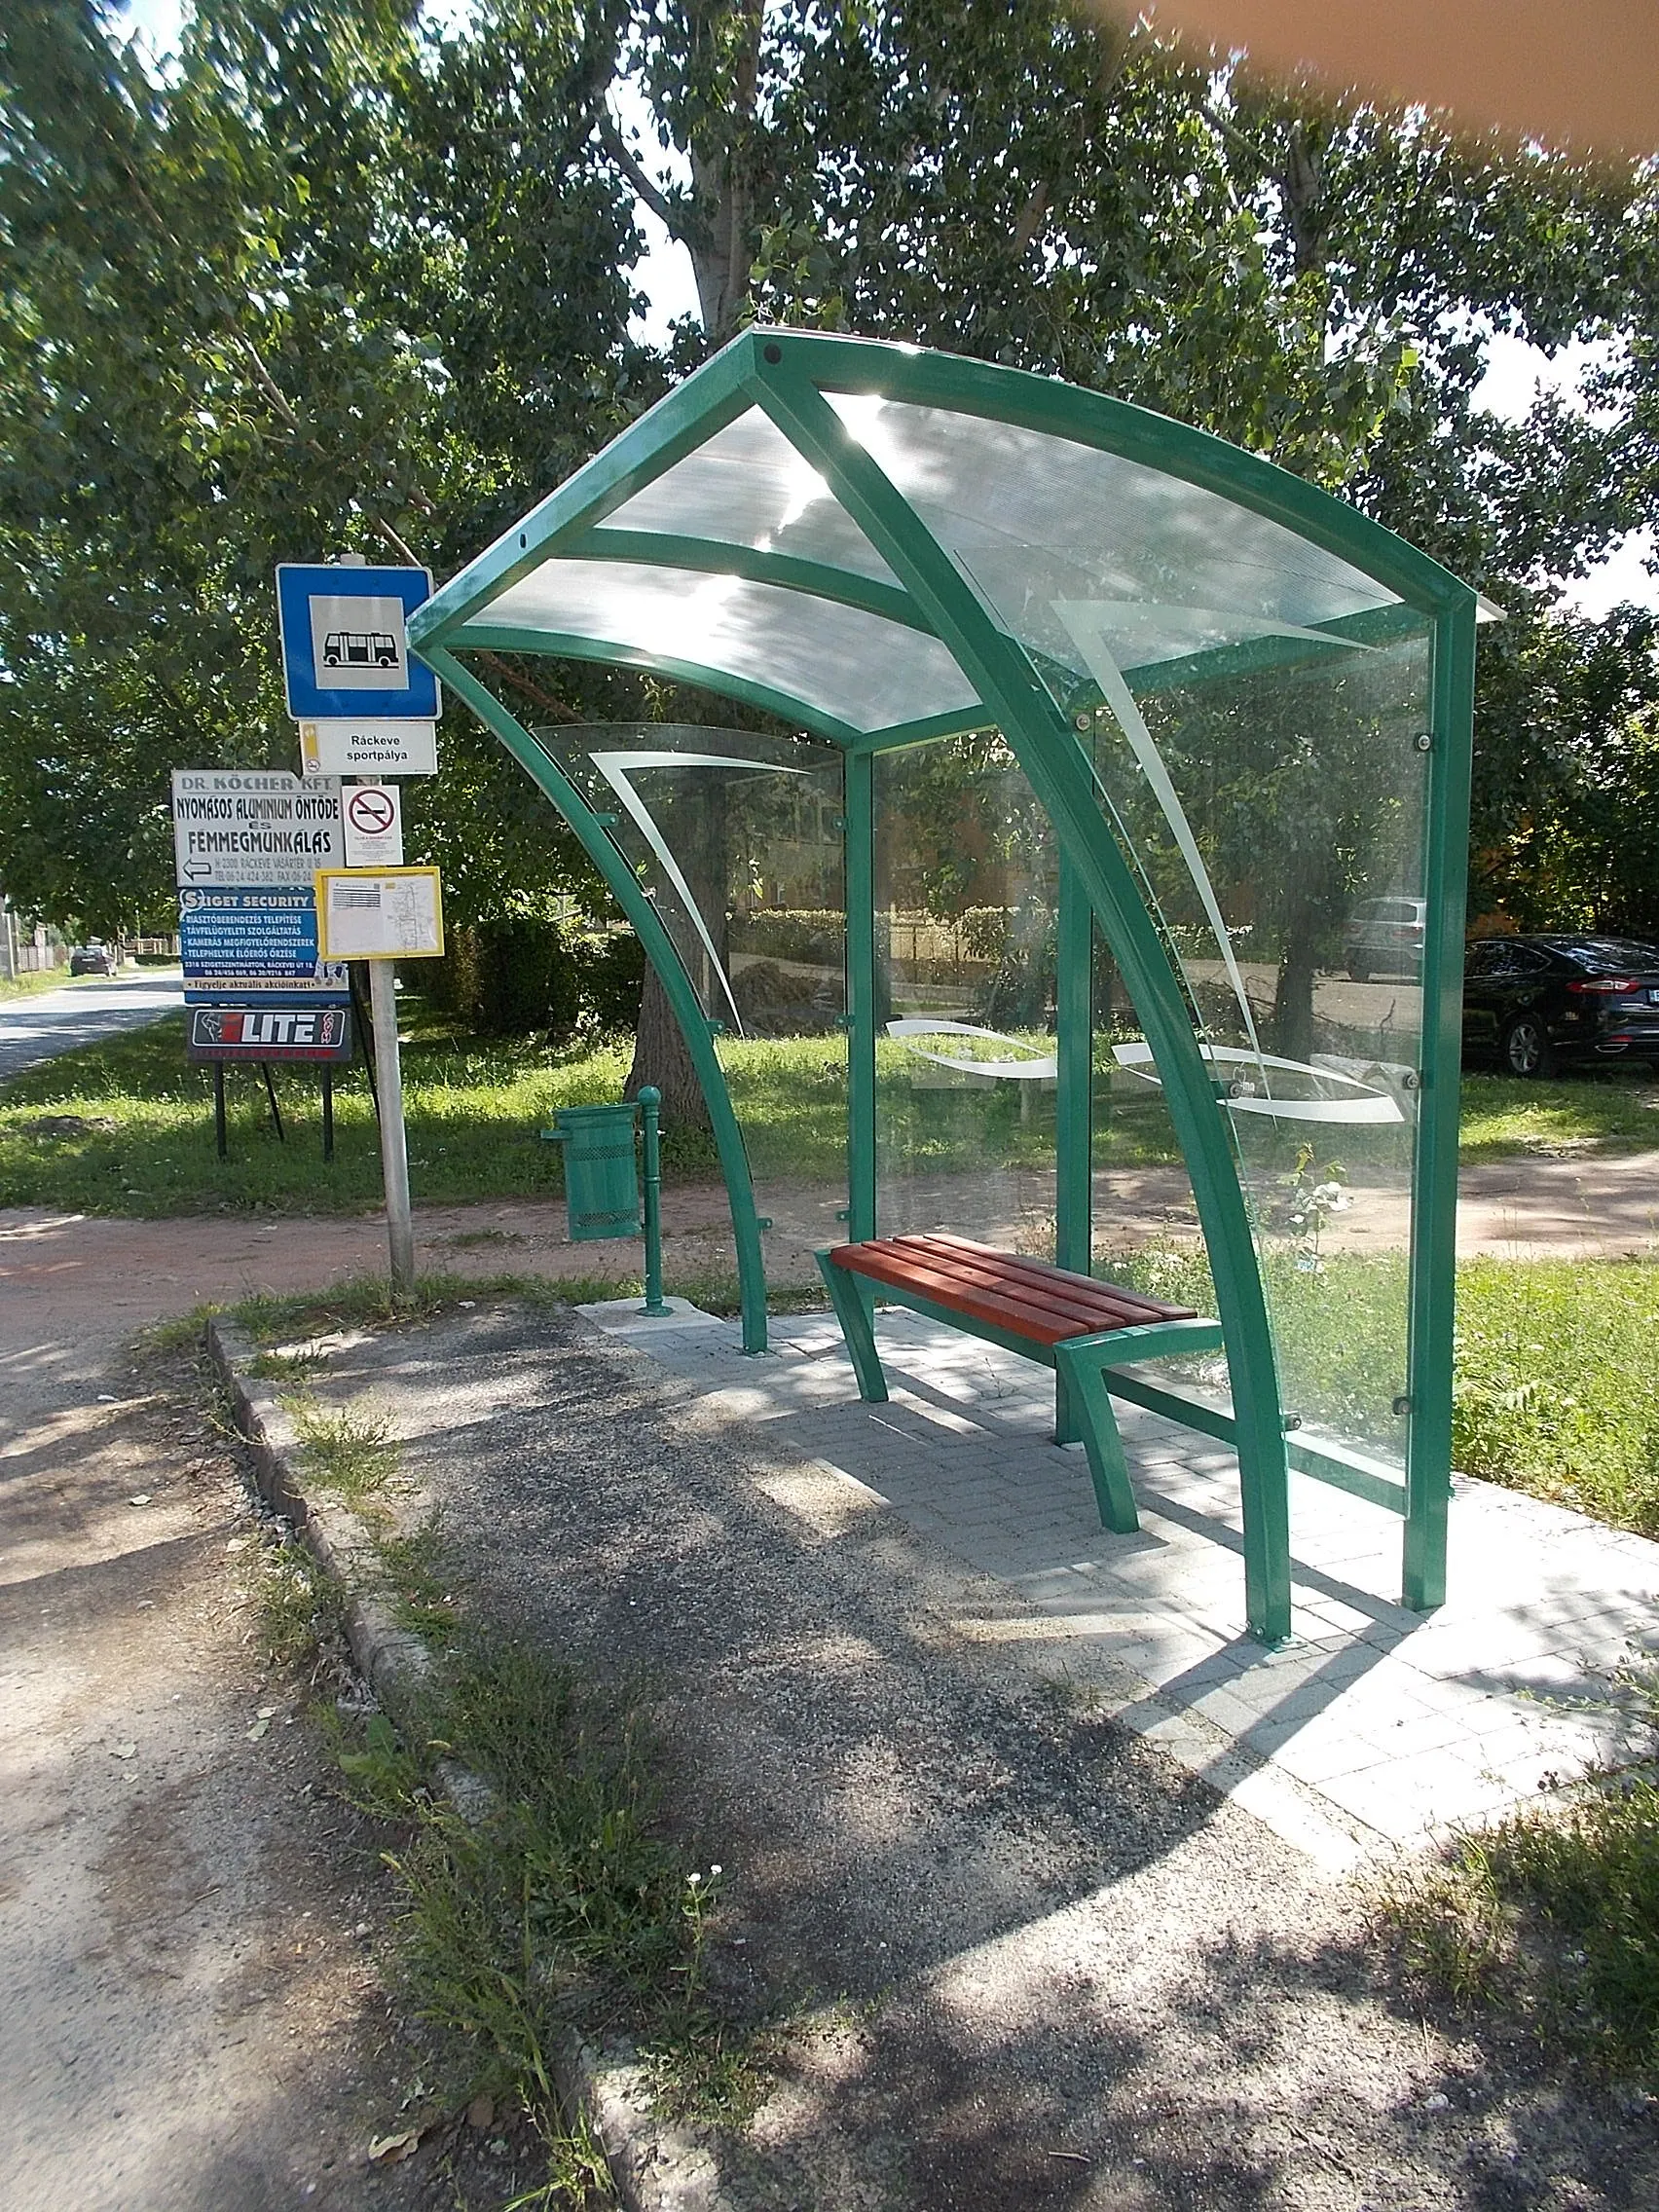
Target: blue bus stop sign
(344, 653)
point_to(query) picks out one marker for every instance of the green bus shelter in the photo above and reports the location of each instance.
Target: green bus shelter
(1100, 858)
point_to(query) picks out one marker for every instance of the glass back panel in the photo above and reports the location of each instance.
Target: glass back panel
(966, 889)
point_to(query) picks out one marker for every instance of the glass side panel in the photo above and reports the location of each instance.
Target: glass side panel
(747, 486)
(1268, 813)
(737, 839)
(966, 889)
(1036, 521)
(835, 659)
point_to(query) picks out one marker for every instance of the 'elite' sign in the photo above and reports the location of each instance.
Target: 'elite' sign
(270, 1033)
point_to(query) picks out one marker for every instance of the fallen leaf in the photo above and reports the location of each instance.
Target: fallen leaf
(257, 1731)
(389, 2150)
(481, 2112)
(143, 1499)
(265, 1712)
(237, 1544)
(124, 1751)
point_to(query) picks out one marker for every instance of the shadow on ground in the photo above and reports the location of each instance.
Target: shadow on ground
(1019, 1957)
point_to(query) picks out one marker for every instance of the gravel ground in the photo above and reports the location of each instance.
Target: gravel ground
(1021, 1959)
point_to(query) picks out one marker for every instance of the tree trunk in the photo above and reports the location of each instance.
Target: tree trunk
(1293, 998)
(661, 1056)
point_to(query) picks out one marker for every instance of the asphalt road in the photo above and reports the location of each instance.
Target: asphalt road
(37, 1029)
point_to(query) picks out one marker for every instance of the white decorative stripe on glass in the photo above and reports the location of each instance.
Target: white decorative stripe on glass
(1037, 1067)
(616, 767)
(1371, 1104)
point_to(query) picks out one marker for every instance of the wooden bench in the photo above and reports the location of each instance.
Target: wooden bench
(1074, 1324)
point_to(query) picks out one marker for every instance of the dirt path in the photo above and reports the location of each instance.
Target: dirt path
(190, 2019)
(129, 1272)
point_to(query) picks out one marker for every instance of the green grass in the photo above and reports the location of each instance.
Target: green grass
(126, 1128)
(1505, 1118)
(1556, 1386)
(31, 985)
(1552, 1916)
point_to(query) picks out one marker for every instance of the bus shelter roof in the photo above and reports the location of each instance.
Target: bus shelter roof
(705, 544)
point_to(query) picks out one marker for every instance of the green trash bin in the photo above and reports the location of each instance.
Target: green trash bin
(601, 1178)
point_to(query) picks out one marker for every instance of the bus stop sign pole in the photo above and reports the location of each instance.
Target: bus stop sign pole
(394, 1145)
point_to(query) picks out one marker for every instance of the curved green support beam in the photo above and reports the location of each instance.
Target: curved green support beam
(1046, 748)
(717, 557)
(648, 926)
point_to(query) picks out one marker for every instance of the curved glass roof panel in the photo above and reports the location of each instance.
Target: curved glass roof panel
(1037, 521)
(850, 666)
(747, 486)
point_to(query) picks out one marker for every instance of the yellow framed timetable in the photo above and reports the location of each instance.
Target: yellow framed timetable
(380, 913)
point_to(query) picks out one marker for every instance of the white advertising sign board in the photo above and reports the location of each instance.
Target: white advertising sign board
(369, 748)
(253, 828)
(373, 815)
(393, 913)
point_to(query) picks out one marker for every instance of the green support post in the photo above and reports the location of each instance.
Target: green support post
(651, 1105)
(1434, 1251)
(1074, 1047)
(860, 815)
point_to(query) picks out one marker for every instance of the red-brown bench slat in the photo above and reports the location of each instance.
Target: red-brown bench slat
(1036, 1279)
(951, 1277)
(998, 1307)
(1155, 1309)
(1043, 1303)
(1077, 1307)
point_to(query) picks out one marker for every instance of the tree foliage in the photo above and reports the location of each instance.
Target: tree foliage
(336, 282)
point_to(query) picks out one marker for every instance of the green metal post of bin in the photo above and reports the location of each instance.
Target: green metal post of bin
(650, 1100)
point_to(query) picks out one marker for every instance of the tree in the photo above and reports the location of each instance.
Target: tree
(260, 313)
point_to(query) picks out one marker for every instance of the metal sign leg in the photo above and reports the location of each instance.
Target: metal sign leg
(270, 1096)
(327, 1112)
(219, 1141)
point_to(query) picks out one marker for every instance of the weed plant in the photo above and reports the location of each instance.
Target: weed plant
(1552, 1917)
(352, 1452)
(557, 1904)
(299, 1606)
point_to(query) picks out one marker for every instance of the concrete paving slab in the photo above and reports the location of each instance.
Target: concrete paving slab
(1374, 1728)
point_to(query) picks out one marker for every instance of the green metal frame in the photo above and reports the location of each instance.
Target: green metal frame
(786, 374)
(625, 888)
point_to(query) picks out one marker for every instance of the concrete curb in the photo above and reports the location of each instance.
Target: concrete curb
(655, 2167)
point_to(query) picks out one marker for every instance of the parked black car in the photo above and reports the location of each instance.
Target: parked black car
(1536, 1003)
(95, 959)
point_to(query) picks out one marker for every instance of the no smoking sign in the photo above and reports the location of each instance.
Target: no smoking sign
(374, 825)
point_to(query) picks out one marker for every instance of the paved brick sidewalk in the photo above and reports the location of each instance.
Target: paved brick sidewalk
(1374, 1727)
